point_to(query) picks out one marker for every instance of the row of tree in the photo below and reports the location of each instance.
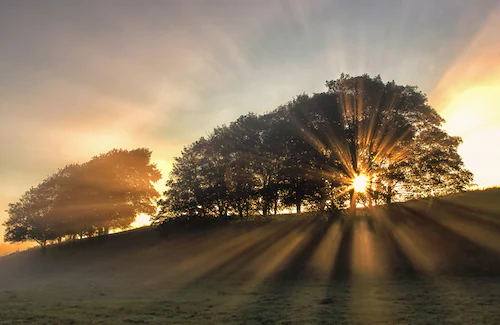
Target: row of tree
(84, 200)
(306, 154)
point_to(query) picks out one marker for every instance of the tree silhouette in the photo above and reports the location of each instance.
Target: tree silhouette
(308, 152)
(397, 139)
(86, 200)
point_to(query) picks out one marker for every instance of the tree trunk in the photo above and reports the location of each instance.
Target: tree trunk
(322, 205)
(298, 206)
(388, 196)
(240, 210)
(247, 208)
(43, 246)
(352, 208)
(265, 209)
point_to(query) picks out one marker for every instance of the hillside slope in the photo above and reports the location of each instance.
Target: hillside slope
(463, 222)
(433, 241)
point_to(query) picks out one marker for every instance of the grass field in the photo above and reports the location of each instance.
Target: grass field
(424, 262)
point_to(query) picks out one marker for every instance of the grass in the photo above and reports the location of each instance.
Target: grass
(403, 301)
(419, 263)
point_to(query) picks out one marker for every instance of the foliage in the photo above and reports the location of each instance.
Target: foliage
(88, 199)
(304, 155)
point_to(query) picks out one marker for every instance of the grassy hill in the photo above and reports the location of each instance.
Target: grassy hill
(427, 261)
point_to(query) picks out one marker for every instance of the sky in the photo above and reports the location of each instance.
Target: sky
(79, 78)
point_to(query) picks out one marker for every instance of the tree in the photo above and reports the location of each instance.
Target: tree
(309, 151)
(117, 186)
(396, 138)
(88, 199)
(34, 216)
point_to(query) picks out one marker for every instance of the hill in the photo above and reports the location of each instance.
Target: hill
(425, 261)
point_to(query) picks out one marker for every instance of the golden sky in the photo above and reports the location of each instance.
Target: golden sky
(81, 78)
(467, 96)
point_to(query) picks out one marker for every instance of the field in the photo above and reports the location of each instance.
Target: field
(423, 262)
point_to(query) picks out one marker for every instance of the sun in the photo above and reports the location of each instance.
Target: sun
(141, 220)
(360, 183)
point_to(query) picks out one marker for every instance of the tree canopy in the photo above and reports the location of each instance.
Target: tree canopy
(306, 154)
(87, 199)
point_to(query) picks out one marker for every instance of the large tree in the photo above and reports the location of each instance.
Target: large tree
(309, 152)
(396, 139)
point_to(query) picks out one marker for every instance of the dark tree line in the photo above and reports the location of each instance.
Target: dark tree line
(87, 199)
(306, 153)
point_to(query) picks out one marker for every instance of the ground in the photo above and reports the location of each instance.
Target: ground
(425, 262)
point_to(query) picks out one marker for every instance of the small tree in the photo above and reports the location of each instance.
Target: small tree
(89, 199)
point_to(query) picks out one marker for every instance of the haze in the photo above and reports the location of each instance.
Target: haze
(82, 78)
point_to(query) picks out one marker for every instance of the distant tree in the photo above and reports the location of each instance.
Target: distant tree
(88, 199)
(117, 186)
(34, 216)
